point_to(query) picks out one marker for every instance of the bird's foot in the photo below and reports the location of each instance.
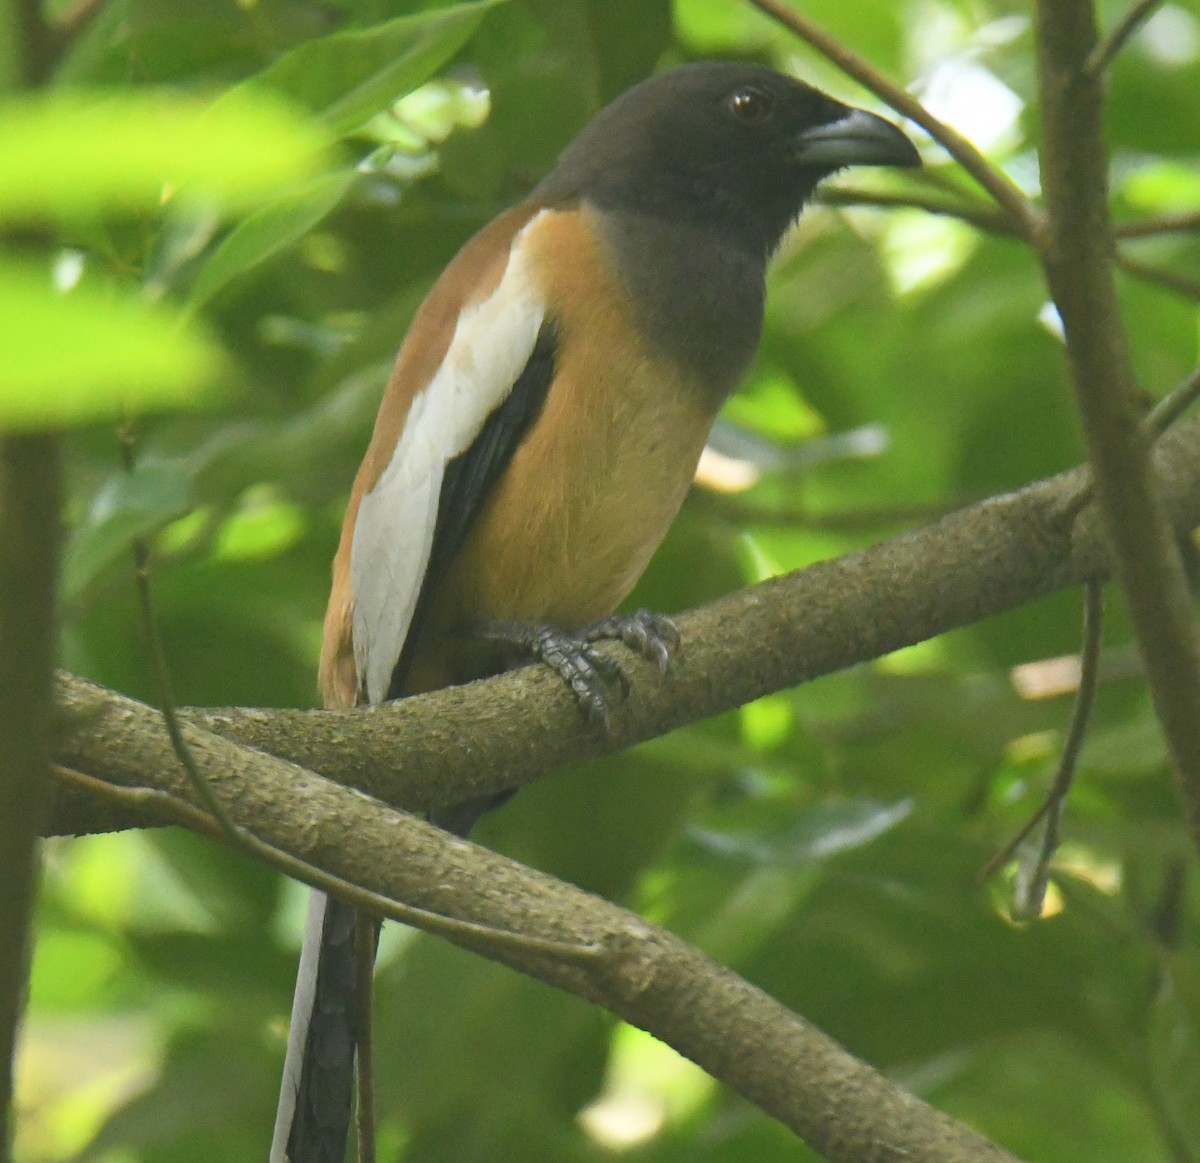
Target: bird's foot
(573, 656)
(653, 636)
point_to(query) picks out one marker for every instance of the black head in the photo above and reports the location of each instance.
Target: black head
(731, 146)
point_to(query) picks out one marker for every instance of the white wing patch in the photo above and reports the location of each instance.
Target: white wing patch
(393, 535)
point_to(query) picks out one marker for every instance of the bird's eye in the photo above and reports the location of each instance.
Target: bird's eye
(750, 106)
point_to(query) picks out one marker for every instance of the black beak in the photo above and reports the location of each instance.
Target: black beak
(857, 139)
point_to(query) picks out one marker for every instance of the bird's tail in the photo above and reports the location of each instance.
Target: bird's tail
(312, 1123)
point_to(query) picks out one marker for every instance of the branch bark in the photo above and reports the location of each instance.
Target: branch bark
(984, 559)
(1078, 258)
(648, 977)
(29, 542)
(512, 730)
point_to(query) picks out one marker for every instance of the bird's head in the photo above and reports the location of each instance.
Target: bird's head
(721, 142)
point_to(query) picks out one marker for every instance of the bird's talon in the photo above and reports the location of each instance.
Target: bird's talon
(590, 672)
(653, 636)
(608, 668)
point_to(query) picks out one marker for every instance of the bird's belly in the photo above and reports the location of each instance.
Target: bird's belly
(587, 500)
(593, 485)
(574, 520)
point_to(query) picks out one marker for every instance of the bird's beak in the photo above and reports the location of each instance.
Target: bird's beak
(858, 139)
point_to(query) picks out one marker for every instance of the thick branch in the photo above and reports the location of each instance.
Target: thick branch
(29, 515)
(645, 975)
(512, 730)
(1079, 262)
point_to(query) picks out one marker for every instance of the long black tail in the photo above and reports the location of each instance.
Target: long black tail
(312, 1123)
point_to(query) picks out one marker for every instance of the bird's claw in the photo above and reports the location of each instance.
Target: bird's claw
(583, 668)
(653, 636)
(587, 671)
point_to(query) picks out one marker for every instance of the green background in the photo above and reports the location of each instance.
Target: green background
(826, 842)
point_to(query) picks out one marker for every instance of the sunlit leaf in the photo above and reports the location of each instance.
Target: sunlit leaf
(268, 230)
(75, 967)
(82, 154)
(348, 77)
(90, 354)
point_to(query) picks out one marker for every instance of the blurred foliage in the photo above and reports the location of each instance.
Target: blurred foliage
(827, 842)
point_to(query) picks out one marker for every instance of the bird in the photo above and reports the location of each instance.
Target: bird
(539, 431)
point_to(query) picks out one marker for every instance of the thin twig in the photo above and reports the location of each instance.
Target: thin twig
(1085, 698)
(1173, 405)
(160, 673)
(978, 214)
(1169, 409)
(984, 217)
(1160, 224)
(165, 805)
(1030, 900)
(1180, 284)
(1026, 219)
(1102, 55)
(73, 23)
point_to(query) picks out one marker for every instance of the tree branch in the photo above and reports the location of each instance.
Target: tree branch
(996, 222)
(1170, 281)
(29, 543)
(1103, 54)
(978, 213)
(1078, 257)
(643, 974)
(1160, 224)
(1026, 220)
(77, 19)
(466, 741)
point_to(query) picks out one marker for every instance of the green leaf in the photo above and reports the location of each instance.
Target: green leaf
(268, 230)
(74, 968)
(75, 154)
(91, 354)
(129, 505)
(816, 834)
(350, 76)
